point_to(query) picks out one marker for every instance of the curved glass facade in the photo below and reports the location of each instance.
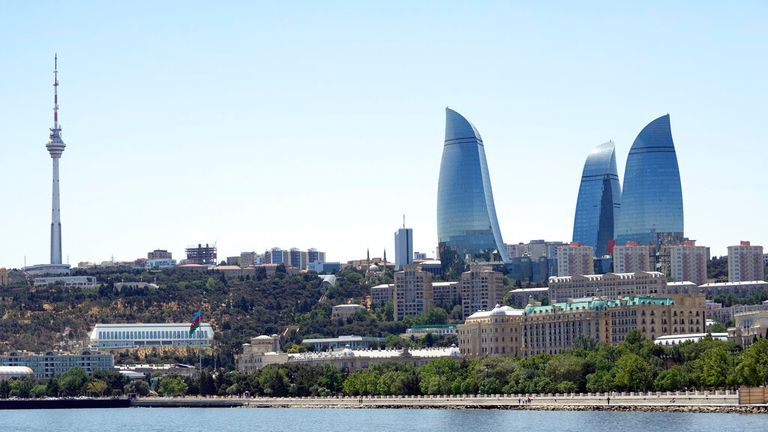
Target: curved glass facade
(599, 199)
(466, 215)
(652, 202)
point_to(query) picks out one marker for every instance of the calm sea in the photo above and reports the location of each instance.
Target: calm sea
(328, 420)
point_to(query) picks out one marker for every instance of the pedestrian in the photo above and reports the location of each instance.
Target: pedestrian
(609, 400)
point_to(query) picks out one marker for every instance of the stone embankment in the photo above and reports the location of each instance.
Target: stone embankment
(701, 402)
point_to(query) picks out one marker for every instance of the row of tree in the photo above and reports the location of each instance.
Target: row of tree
(634, 365)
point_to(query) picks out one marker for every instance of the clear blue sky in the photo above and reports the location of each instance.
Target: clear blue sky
(318, 124)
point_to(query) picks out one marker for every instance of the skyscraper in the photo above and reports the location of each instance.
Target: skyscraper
(403, 247)
(55, 148)
(467, 228)
(599, 199)
(652, 201)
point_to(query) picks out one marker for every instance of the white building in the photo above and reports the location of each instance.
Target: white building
(745, 263)
(67, 281)
(677, 339)
(123, 336)
(403, 247)
(688, 262)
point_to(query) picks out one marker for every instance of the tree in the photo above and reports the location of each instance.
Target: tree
(674, 378)
(633, 373)
(96, 387)
(273, 381)
(72, 382)
(207, 386)
(172, 386)
(714, 368)
(435, 315)
(137, 387)
(753, 368)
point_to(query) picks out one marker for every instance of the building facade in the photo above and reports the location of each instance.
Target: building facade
(159, 254)
(481, 289)
(745, 262)
(467, 228)
(128, 336)
(599, 200)
(203, 255)
(67, 281)
(412, 293)
(344, 311)
(611, 285)
(631, 257)
(652, 199)
(553, 329)
(53, 364)
(688, 262)
(575, 259)
(403, 247)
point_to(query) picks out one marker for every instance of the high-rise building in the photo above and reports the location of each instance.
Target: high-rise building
(467, 228)
(315, 256)
(159, 254)
(412, 292)
(688, 262)
(575, 259)
(298, 258)
(745, 262)
(599, 200)
(515, 250)
(481, 289)
(403, 247)
(631, 257)
(205, 255)
(652, 200)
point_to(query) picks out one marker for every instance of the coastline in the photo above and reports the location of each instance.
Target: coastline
(695, 402)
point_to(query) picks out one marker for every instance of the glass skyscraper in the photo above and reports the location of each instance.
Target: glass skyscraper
(652, 202)
(467, 228)
(599, 200)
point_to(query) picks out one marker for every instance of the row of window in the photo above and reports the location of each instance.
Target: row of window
(153, 334)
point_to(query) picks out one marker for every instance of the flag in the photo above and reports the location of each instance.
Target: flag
(195, 323)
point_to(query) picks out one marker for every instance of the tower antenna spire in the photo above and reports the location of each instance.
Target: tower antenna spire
(56, 91)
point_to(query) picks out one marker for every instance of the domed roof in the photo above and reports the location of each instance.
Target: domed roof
(347, 352)
(262, 337)
(454, 351)
(373, 267)
(15, 371)
(498, 311)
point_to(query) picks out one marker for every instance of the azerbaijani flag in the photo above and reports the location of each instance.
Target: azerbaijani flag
(195, 323)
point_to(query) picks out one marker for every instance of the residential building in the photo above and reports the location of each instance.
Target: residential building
(247, 259)
(53, 364)
(419, 256)
(412, 293)
(467, 228)
(726, 315)
(67, 281)
(204, 255)
(522, 297)
(277, 256)
(688, 262)
(140, 335)
(382, 294)
(575, 259)
(614, 285)
(743, 288)
(652, 199)
(745, 263)
(599, 200)
(446, 295)
(159, 254)
(403, 247)
(481, 289)
(553, 329)
(515, 250)
(344, 311)
(298, 258)
(315, 256)
(527, 270)
(631, 257)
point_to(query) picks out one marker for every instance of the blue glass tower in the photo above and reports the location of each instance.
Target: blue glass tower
(652, 202)
(467, 228)
(599, 199)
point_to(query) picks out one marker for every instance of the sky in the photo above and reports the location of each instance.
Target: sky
(319, 124)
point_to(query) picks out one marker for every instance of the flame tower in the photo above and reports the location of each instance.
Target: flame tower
(55, 148)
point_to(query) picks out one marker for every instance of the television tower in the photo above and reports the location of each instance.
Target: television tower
(55, 148)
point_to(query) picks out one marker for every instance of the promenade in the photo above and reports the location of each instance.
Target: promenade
(693, 401)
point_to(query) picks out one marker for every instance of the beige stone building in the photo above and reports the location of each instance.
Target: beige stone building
(688, 262)
(412, 293)
(344, 311)
(260, 352)
(575, 259)
(614, 285)
(749, 326)
(745, 263)
(481, 289)
(552, 329)
(631, 257)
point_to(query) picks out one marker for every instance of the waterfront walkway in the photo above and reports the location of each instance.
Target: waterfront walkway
(694, 401)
